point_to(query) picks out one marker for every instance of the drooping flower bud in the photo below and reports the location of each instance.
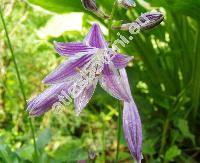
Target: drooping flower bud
(146, 21)
(126, 3)
(90, 5)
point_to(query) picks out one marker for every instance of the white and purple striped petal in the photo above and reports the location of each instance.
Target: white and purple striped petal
(131, 122)
(95, 38)
(44, 101)
(84, 97)
(121, 61)
(72, 48)
(110, 81)
(67, 69)
(132, 129)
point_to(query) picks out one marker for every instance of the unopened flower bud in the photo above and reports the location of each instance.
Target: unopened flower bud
(126, 3)
(146, 21)
(149, 20)
(90, 5)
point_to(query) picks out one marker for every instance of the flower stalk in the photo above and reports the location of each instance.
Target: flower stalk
(111, 19)
(19, 79)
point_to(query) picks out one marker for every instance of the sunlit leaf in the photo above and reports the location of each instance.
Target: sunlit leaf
(172, 152)
(59, 6)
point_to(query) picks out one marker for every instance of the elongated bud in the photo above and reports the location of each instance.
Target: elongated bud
(132, 130)
(146, 21)
(90, 5)
(126, 3)
(131, 122)
(149, 20)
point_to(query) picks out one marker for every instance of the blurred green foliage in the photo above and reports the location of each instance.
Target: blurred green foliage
(165, 81)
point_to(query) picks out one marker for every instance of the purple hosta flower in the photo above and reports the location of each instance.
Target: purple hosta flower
(126, 3)
(91, 5)
(91, 61)
(146, 21)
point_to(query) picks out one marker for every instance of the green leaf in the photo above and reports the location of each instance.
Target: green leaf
(59, 6)
(148, 147)
(184, 128)
(172, 152)
(26, 152)
(189, 7)
(124, 155)
(71, 151)
(44, 139)
(7, 155)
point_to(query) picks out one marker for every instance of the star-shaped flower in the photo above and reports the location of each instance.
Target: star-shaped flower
(88, 63)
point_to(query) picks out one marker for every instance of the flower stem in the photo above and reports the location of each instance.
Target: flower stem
(103, 138)
(164, 135)
(118, 132)
(111, 17)
(19, 78)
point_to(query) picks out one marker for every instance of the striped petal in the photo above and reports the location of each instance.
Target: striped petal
(131, 122)
(44, 101)
(132, 129)
(121, 61)
(70, 49)
(110, 81)
(95, 38)
(82, 100)
(68, 69)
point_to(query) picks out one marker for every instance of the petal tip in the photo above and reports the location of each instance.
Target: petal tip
(95, 25)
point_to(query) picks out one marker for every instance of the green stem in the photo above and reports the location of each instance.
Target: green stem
(18, 77)
(103, 139)
(164, 134)
(118, 133)
(110, 21)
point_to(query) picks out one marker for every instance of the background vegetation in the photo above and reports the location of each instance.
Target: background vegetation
(165, 81)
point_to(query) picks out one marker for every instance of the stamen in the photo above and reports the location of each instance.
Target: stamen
(78, 69)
